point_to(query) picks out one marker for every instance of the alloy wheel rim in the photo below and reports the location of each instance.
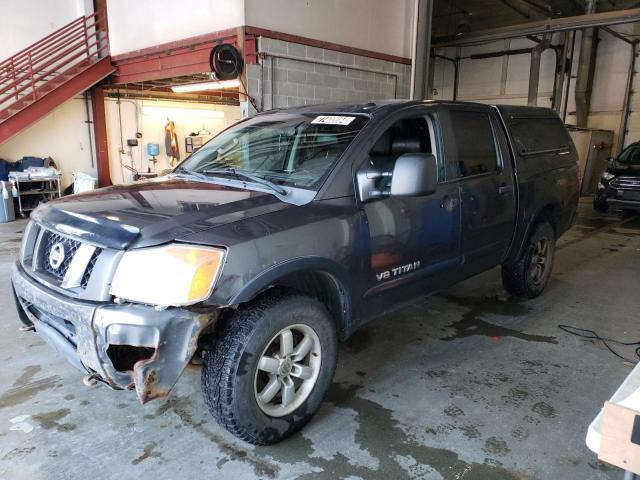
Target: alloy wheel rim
(287, 370)
(539, 261)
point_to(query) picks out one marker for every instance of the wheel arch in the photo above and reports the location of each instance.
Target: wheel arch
(320, 278)
(550, 212)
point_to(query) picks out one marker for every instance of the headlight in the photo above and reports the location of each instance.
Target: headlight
(169, 275)
(606, 176)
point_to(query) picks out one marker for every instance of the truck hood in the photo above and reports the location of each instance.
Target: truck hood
(152, 212)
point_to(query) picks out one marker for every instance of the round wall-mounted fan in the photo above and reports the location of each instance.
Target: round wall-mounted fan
(226, 62)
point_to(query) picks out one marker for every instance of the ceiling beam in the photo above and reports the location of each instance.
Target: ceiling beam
(516, 9)
(543, 26)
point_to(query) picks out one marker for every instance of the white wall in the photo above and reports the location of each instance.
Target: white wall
(134, 25)
(481, 80)
(379, 25)
(609, 84)
(27, 21)
(61, 135)
(152, 129)
(619, 65)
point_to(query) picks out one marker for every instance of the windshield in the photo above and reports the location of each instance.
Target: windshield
(631, 156)
(292, 149)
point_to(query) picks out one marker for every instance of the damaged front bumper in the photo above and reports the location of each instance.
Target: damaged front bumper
(125, 346)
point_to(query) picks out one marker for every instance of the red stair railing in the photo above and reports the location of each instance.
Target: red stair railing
(30, 73)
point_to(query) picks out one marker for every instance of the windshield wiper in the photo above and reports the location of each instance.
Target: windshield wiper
(254, 178)
(191, 173)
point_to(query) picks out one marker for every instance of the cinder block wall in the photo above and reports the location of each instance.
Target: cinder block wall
(311, 75)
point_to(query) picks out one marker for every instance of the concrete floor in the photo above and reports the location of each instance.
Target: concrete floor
(468, 384)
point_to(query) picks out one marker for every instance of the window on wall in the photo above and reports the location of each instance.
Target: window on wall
(470, 147)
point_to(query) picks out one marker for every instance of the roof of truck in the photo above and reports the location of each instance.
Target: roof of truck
(367, 107)
(389, 105)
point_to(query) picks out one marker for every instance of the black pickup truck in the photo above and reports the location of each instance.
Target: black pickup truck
(284, 234)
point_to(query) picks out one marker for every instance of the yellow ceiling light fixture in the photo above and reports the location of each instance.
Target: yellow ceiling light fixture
(202, 86)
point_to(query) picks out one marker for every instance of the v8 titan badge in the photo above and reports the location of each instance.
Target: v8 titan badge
(396, 271)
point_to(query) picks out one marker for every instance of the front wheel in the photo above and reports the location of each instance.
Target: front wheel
(267, 368)
(528, 277)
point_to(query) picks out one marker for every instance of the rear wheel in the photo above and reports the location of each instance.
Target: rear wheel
(529, 276)
(269, 365)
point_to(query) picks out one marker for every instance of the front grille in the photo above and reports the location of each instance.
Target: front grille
(626, 183)
(70, 247)
(84, 272)
(90, 266)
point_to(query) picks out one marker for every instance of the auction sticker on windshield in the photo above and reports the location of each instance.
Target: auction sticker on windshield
(333, 120)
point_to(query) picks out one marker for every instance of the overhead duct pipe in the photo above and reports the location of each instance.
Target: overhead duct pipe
(586, 70)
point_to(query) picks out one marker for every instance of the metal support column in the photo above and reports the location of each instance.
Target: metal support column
(534, 71)
(622, 135)
(422, 15)
(100, 135)
(586, 69)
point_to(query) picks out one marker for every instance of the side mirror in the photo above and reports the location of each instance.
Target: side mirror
(414, 175)
(366, 180)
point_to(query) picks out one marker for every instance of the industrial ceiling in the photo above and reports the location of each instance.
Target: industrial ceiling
(455, 17)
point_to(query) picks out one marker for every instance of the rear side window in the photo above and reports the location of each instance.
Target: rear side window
(470, 146)
(538, 135)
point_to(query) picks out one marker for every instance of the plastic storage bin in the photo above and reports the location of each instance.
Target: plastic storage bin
(7, 213)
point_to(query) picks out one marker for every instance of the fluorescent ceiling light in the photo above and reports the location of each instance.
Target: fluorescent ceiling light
(199, 87)
(175, 112)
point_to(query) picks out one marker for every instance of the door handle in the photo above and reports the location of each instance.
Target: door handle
(449, 203)
(505, 189)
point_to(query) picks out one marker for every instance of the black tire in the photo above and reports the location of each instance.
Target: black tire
(231, 359)
(600, 205)
(518, 278)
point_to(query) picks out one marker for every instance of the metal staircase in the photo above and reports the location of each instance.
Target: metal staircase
(39, 78)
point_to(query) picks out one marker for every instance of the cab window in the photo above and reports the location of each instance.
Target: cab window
(409, 135)
(469, 144)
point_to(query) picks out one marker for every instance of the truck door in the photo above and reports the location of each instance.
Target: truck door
(477, 160)
(411, 238)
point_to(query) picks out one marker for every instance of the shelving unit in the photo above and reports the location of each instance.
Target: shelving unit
(51, 189)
